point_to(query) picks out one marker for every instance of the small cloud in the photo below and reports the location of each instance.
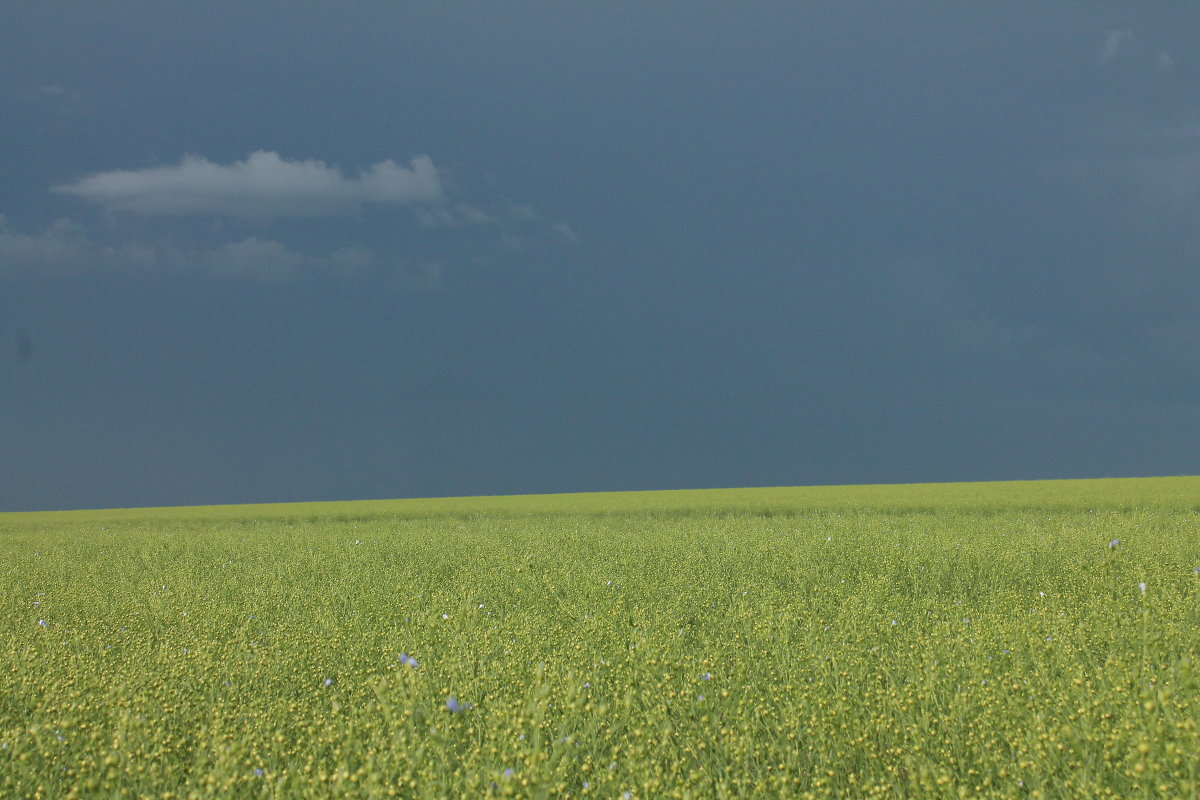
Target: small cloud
(452, 217)
(425, 277)
(55, 98)
(1123, 45)
(254, 259)
(61, 248)
(537, 238)
(471, 214)
(1114, 42)
(522, 212)
(515, 243)
(64, 249)
(351, 262)
(436, 217)
(461, 214)
(564, 234)
(263, 186)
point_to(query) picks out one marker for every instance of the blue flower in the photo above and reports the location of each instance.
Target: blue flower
(454, 706)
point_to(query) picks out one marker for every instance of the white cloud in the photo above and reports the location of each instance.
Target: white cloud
(1114, 41)
(460, 214)
(62, 248)
(350, 262)
(424, 277)
(436, 217)
(521, 227)
(254, 259)
(1124, 45)
(473, 215)
(516, 243)
(522, 212)
(560, 233)
(261, 187)
(564, 233)
(65, 249)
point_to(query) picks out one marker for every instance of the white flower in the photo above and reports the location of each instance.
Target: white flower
(1142, 586)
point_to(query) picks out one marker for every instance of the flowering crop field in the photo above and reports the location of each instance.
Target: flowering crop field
(955, 640)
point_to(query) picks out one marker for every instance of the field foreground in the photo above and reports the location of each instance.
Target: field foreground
(978, 640)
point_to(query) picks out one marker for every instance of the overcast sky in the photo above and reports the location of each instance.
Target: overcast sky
(254, 252)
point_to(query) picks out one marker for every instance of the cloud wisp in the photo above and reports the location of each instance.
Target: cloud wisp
(64, 249)
(261, 189)
(1119, 42)
(1114, 42)
(263, 186)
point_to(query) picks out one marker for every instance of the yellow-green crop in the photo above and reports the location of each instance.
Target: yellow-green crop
(980, 640)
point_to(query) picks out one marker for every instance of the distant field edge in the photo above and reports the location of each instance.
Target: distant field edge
(1100, 494)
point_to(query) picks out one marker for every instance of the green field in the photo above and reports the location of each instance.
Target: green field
(956, 640)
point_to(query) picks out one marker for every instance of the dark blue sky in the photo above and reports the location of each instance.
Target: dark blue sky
(257, 252)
